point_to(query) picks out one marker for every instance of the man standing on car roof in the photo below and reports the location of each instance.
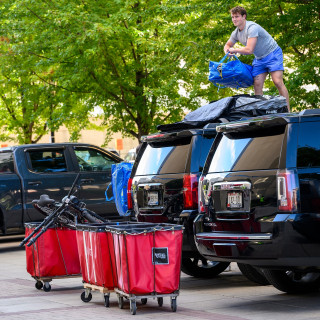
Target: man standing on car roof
(268, 55)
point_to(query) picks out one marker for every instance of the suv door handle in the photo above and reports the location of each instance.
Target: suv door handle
(34, 183)
(87, 180)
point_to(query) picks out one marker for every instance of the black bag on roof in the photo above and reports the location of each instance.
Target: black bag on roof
(230, 108)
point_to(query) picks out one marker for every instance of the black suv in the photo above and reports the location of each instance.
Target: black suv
(164, 186)
(260, 198)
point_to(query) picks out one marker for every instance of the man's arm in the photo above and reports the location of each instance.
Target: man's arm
(248, 49)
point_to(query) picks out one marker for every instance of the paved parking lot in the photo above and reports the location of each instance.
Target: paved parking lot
(228, 297)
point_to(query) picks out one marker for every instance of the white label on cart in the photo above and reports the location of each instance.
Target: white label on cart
(160, 256)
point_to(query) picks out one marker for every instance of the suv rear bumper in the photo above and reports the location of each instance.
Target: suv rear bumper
(185, 218)
(285, 245)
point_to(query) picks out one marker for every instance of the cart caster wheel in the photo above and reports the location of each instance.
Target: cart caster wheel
(84, 298)
(47, 287)
(160, 302)
(39, 285)
(120, 302)
(133, 307)
(173, 304)
(106, 301)
(144, 300)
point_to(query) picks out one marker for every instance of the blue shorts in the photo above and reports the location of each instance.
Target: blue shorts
(272, 62)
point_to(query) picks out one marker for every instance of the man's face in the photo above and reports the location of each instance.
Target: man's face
(238, 19)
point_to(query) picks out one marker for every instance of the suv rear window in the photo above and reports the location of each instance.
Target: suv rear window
(250, 152)
(162, 158)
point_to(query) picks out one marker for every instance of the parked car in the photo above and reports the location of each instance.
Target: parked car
(164, 186)
(28, 171)
(113, 151)
(130, 155)
(260, 198)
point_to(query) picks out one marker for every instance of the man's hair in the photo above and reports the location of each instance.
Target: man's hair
(239, 10)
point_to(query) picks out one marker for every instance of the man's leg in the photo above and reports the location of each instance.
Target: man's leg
(259, 82)
(277, 78)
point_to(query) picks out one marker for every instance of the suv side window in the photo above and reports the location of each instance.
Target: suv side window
(47, 160)
(6, 162)
(308, 154)
(92, 160)
(205, 147)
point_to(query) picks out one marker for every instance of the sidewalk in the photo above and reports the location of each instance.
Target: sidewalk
(228, 297)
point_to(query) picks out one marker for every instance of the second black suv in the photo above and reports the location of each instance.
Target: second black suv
(260, 198)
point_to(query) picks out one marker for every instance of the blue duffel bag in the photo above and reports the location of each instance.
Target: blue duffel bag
(120, 176)
(231, 74)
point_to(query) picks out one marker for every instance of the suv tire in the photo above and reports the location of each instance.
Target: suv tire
(253, 274)
(293, 282)
(202, 268)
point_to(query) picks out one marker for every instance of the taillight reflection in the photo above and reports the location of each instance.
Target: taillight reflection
(201, 204)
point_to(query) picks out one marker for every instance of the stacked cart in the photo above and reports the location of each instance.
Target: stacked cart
(97, 261)
(134, 260)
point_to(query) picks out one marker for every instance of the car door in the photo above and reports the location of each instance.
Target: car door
(50, 171)
(95, 169)
(10, 193)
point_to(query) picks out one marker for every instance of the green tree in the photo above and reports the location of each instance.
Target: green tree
(134, 58)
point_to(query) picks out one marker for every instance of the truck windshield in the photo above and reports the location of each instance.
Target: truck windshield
(247, 153)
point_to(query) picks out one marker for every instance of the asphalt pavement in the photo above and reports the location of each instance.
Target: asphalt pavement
(228, 297)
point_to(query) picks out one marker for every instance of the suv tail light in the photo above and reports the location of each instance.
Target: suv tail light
(288, 190)
(130, 205)
(190, 191)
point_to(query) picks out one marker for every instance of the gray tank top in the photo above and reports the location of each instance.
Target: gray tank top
(265, 43)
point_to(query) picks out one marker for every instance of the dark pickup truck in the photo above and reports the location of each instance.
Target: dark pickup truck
(27, 171)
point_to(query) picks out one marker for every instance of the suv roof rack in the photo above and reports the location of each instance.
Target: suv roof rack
(309, 112)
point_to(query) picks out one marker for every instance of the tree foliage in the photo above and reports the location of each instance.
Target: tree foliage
(134, 58)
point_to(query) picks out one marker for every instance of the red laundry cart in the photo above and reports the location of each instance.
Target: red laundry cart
(96, 260)
(147, 262)
(54, 255)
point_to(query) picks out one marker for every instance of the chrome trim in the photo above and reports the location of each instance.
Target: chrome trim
(140, 185)
(235, 185)
(224, 244)
(234, 236)
(151, 208)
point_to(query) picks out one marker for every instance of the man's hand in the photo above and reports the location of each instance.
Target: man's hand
(232, 51)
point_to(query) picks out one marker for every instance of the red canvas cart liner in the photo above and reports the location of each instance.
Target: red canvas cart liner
(96, 254)
(54, 254)
(97, 264)
(148, 257)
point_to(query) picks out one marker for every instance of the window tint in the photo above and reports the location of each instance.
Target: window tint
(47, 160)
(6, 162)
(248, 153)
(308, 154)
(160, 159)
(93, 160)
